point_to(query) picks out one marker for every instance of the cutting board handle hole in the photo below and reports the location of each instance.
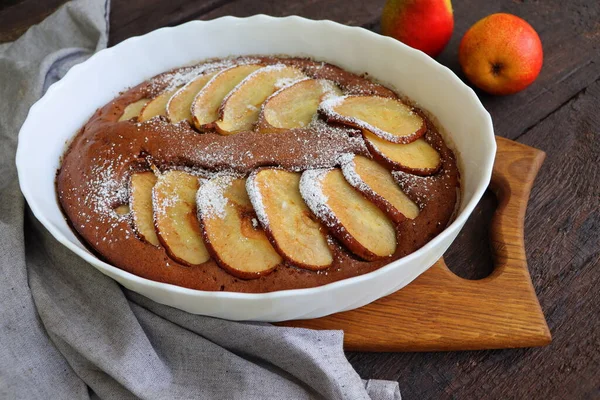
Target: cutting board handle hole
(463, 258)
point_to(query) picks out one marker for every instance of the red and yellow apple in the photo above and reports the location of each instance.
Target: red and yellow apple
(425, 25)
(501, 54)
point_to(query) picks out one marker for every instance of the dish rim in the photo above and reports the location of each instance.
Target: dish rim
(456, 224)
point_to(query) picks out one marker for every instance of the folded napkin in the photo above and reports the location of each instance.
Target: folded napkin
(69, 332)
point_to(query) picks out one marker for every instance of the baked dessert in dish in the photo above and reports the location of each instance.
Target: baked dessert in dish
(257, 174)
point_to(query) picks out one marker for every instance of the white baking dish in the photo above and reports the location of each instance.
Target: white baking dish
(69, 103)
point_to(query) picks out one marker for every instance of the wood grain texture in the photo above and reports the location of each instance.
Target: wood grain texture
(570, 34)
(441, 311)
(136, 17)
(558, 114)
(357, 13)
(130, 18)
(17, 16)
(562, 238)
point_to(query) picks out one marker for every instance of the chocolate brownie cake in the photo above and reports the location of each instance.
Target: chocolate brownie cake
(257, 174)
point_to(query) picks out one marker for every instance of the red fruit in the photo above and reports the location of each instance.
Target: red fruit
(425, 25)
(501, 54)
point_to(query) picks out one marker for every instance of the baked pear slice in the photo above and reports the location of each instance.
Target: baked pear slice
(178, 107)
(140, 204)
(377, 184)
(240, 109)
(174, 200)
(122, 210)
(232, 232)
(157, 106)
(205, 106)
(291, 227)
(387, 118)
(356, 222)
(418, 157)
(295, 105)
(133, 109)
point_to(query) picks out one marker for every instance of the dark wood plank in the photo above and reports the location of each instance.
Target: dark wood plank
(7, 3)
(130, 18)
(17, 16)
(563, 242)
(569, 31)
(348, 12)
(570, 34)
(136, 17)
(561, 225)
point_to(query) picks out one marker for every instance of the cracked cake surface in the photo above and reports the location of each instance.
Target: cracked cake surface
(257, 174)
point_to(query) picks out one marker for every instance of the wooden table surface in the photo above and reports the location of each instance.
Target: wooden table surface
(559, 113)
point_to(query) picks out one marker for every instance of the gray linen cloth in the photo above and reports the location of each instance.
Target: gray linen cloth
(69, 332)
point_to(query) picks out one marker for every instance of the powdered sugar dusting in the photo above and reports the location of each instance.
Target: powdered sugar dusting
(103, 194)
(346, 158)
(160, 122)
(329, 143)
(279, 83)
(105, 191)
(221, 156)
(311, 189)
(330, 89)
(328, 108)
(283, 83)
(256, 199)
(181, 76)
(166, 202)
(426, 186)
(176, 79)
(267, 69)
(210, 199)
(316, 146)
(314, 150)
(323, 133)
(351, 175)
(366, 87)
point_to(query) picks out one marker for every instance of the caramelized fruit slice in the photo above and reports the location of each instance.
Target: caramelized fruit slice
(362, 227)
(178, 107)
(205, 107)
(157, 106)
(140, 204)
(294, 106)
(390, 119)
(133, 109)
(175, 217)
(241, 107)
(417, 158)
(122, 209)
(293, 230)
(378, 185)
(231, 230)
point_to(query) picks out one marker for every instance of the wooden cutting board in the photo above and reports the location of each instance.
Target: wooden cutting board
(441, 311)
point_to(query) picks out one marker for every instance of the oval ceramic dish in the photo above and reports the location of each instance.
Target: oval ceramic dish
(88, 86)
